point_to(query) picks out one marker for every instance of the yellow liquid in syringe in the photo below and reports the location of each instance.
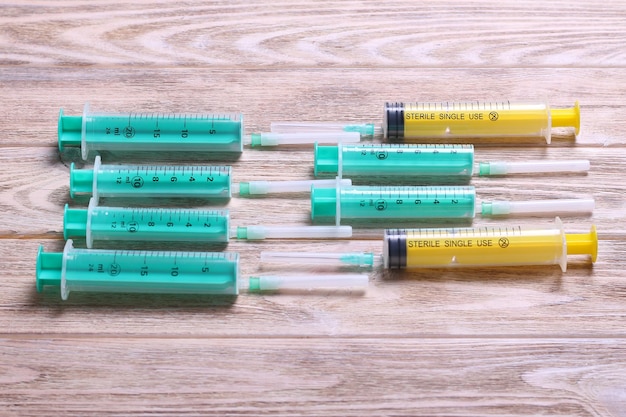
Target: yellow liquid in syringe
(476, 119)
(485, 246)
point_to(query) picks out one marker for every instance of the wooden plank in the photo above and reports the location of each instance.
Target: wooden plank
(350, 377)
(483, 341)
(36, 188)
(495, 302)
(33, 96)
(321, 34)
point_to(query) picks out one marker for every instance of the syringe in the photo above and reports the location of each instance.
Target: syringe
(424, 160)
(429, 202)
(145, 224)
(151, 181)
(453, 120)
(124, 271)
(486, 246)
(153, 132)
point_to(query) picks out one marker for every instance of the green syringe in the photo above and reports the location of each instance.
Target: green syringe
(145, 224)
(414, 160)
(427, 202)
(123, 271)
(153, 132)
(163, 181)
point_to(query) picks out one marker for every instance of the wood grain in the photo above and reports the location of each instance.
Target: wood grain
(326, 33)
(335, 376)
(440, 342)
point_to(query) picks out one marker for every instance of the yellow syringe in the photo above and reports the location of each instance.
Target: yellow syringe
(485, 246)
(451, 121)
(476, 119)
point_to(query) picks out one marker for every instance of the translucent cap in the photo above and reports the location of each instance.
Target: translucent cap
(551, 207)
(532, 167)
(297, 138)
(362, 259)
(309, 282)
(291, 232)
(269, 187)
(365, 130)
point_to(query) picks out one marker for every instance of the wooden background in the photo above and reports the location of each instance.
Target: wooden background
(479, 342)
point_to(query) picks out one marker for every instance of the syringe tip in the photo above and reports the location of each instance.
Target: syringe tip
(240, 232)
(244, 188)
(254, 284)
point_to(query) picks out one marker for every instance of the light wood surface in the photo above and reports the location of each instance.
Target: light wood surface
(475, 342)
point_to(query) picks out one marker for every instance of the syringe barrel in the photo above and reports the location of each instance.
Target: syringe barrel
(151, 132)
(484, 246)
(383, 202)
(395, 160)
(98, 223)
(138, 181)
(122, 271)
(478, 119)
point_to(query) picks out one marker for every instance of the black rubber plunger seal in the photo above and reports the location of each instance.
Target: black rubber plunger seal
(395, 121)
(396, 248)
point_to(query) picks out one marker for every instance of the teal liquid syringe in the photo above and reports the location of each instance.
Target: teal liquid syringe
(411, 160)
(189, 181)
(397, 203)
(427, 202)
(153, 132)
(145, 224)
(123, 271)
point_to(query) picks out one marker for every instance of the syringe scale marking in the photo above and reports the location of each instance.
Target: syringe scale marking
(151, 181)
(120, 271)
(117, 223)
(451, 120)
(393, 202)
(408, 160)
(150, 132)
(411, 202)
